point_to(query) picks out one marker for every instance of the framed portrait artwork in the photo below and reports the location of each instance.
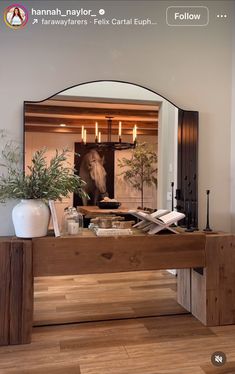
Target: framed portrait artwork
(95, 165)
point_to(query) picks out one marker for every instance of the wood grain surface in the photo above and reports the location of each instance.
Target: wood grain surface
(154, 345)
(4, 291)
(210, 292)
(184, 288)
(93, 210)
(213, 293)
(89, 255)
(104, 297)
(16, 291)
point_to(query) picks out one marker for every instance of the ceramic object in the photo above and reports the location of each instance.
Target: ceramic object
(31, 218)
(109, 204)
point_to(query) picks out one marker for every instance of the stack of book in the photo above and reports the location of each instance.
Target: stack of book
(112, 232)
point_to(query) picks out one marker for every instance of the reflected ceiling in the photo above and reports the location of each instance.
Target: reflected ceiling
(74, 112)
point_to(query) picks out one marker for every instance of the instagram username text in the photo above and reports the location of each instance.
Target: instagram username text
(59, 12)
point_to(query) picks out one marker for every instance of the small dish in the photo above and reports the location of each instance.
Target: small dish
(109, 204)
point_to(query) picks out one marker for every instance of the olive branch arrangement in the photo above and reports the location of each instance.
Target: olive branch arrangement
(43, 180)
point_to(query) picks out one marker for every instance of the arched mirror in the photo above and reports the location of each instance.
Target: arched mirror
(103, 121)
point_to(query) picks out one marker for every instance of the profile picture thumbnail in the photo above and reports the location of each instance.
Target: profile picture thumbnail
(16, 16)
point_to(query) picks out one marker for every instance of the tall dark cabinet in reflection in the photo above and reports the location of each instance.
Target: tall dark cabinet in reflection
(187, 186)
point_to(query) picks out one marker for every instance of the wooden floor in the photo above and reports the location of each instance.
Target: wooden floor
(104, 297)
(154, 345)
(176, 344)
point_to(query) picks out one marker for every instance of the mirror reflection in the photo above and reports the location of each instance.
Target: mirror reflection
(104, 122)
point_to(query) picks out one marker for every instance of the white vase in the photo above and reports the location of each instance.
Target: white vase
(31, 218)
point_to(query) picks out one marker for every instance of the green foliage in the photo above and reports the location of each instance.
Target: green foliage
(141, 168)
(42, 181)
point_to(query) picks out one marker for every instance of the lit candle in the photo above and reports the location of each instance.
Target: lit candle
(82, 134)
(96, 131)
(120, 131)
(73, 228)
(99, 137)
(84, 139)
(134, 133)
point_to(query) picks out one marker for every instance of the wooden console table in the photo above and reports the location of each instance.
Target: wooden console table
(206, 285)
(93, 211)
(16, 291)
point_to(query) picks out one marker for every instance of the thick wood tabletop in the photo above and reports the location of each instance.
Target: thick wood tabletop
(89, 254)
(93, 210)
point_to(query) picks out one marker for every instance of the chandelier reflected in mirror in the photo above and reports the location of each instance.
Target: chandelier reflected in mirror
(100, 143)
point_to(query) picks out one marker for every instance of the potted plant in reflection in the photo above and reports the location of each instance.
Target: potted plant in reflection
(42, 181)
(140, 169)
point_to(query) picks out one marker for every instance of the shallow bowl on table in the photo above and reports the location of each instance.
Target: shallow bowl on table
(109, 204)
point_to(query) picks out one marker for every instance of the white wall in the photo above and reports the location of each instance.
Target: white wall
(118, 90)
(167, 153)
(195, 74)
